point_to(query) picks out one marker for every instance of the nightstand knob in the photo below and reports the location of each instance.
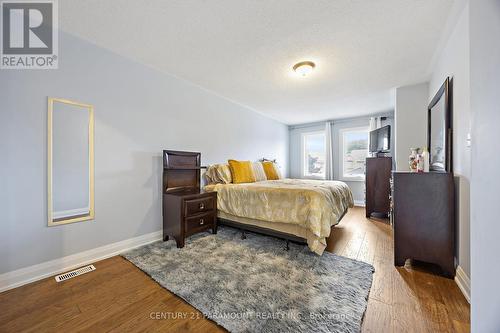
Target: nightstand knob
(202, 206)
(202, 222)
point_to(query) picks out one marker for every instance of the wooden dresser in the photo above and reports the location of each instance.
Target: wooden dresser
(378, 189)
(186, 208)
(424, 219)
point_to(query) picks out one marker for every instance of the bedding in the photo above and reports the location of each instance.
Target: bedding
(314, 205)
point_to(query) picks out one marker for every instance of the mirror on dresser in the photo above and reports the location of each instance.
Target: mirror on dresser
(439, 129)
(70, 161)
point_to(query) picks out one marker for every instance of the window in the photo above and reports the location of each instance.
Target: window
(314, 151)
(354, 152)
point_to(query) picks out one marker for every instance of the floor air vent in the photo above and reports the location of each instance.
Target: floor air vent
(76, 272)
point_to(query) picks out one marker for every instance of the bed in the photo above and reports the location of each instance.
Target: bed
(293, 209)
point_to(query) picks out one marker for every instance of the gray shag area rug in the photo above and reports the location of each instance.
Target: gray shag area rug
(255, 285)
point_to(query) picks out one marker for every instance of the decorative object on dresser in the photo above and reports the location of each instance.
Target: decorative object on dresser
(424, 219)
(413, 159)
(378, 190)
(186, 208)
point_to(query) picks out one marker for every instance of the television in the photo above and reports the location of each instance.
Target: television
(380, 140)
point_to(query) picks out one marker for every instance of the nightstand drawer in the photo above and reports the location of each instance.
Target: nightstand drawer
(196, 206)
(199, 221)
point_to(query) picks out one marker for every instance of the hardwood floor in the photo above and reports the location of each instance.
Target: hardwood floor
(118, 297)
(406, 299)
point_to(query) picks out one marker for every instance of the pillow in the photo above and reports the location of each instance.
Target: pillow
(223, 173)
(218, 174)
(271, 170)
(258, 171)
(241, 171)
(211, 175)
(278, 171)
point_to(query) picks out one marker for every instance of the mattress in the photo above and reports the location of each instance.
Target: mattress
(312, 207)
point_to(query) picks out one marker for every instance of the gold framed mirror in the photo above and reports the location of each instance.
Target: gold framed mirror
(70, 161)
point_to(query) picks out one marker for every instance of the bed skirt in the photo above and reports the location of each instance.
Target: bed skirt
(292, 232)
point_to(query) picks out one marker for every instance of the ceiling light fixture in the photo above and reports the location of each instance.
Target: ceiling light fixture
(304, 68)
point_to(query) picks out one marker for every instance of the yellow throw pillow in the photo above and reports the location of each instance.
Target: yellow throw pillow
(270, 170)
(241, 171)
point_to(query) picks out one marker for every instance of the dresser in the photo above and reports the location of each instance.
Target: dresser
(424, 219)
(187, 209)
(377, 183)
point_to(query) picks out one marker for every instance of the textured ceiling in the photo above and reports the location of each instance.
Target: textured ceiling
(244, 49)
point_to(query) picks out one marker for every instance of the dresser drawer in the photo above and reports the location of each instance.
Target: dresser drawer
(194, 223)
(200, 205)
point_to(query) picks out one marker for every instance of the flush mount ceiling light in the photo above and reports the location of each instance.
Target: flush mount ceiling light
(304, 68)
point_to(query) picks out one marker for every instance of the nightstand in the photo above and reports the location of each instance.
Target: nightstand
(188, 212)
(186, 208)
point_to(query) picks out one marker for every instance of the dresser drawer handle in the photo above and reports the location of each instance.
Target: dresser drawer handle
(202, 206)
(202, 222)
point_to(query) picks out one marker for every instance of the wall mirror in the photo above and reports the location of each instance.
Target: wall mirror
(70, 180)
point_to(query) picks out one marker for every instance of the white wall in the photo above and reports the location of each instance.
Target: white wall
(410, 118)
(485, 161)
(138, 113)
(296, 131)
(453, 61)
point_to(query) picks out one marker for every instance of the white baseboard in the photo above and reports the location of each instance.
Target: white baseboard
(463, 282)
(359, 203)
(37, 272)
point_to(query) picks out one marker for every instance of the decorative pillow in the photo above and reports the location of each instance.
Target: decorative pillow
(241, 171)
(211, 175)
(218, 174)
(271, 170)
(278, 171)
(258, 171)
(223, 173)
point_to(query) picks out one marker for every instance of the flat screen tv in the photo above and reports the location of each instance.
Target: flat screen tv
(380, 140)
